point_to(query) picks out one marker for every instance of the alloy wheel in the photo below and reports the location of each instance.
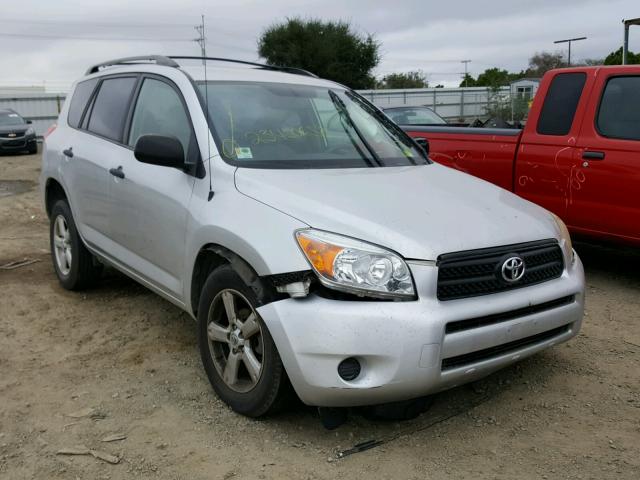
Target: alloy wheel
(235, 340)
(62, 245)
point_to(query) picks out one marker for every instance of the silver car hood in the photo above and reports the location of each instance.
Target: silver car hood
(419, 211)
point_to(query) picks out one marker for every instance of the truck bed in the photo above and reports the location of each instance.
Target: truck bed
(487, 153)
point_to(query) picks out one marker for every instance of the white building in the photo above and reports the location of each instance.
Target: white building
(525, 87)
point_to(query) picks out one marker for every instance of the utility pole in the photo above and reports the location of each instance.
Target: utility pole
(569, 40)
(202, 39)
(466, 63)
(625, 45)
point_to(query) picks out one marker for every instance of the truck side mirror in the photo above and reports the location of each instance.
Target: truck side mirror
(424, 144)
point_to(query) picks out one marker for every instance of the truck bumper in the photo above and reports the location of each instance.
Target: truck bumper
(404, 348)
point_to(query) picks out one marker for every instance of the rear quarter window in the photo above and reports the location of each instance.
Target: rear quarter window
(619, 111)
(111, 106)
(561, 103)
(81, 96)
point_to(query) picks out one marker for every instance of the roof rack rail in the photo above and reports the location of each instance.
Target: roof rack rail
(157, 59)
(294, 70)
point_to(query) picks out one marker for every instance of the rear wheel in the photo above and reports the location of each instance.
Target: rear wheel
(75, 266)
(237, 351)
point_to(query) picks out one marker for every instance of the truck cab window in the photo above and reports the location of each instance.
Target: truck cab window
(619, 112)
(561, 103)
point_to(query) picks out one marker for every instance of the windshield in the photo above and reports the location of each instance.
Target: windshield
(10, 118)
(273, 125)
(415, 116)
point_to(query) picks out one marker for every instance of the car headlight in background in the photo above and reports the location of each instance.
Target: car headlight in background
(565, 239)
(354, 266)
(30, 131)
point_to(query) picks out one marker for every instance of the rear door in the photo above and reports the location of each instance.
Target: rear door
(546, 171)
(150, 204)
(96, 117)
(607, 202)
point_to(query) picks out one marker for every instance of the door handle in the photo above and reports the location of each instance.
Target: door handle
(117, 172)
(68, 152)
(591, 155)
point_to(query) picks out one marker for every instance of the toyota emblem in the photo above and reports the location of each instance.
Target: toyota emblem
(512, 269)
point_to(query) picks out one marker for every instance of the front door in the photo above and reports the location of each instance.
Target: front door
(607, 202)
(150, 203)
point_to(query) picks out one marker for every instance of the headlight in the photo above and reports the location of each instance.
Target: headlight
(354, 266)
(30, 131)
(565, 239)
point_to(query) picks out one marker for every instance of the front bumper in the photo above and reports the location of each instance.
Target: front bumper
(17, 144)
(401, 345)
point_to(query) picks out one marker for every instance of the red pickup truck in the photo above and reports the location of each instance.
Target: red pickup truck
(578, 155)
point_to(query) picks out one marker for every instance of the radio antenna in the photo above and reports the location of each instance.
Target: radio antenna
(203, 46)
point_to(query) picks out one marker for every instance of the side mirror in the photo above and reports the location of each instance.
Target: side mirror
(424, 144)
(29, 122)
(159, 150)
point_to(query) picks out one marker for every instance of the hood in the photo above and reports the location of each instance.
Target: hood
(418, 211)
(19, 129)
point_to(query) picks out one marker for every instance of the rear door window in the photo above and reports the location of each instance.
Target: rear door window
(111, 106)
(81, 96)
(561, 103)
(619, 112)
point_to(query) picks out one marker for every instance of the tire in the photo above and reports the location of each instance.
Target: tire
(76, 268)
(33, 150)
(253, 396)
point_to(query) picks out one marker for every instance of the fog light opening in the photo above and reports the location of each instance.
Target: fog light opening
(349, 369)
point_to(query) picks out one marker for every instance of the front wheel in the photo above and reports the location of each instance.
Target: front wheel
(238, 353)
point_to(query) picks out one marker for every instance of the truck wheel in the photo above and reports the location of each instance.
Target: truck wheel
(238, 353)
(75, 266)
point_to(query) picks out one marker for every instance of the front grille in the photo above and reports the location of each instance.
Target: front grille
(470, 323)
(8, 134)
(478, 272)
(487, 353)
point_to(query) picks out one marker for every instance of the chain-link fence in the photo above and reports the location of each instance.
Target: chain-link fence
(458, 104)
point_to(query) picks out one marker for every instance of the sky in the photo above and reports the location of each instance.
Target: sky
(53, 43)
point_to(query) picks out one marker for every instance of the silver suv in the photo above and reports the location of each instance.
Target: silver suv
(315, 243)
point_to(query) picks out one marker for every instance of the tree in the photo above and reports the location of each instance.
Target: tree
(414, 79)
(329, 49)
(592, 62)
(494, 78)
(541, 62)
(468, 81)
(615, 58)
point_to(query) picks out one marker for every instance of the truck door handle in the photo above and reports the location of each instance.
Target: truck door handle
(117, 172)
(591, 155)
(68, 152)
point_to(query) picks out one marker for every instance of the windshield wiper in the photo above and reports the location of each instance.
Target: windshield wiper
(344, 114)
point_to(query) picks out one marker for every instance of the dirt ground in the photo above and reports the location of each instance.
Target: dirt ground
(77, 367)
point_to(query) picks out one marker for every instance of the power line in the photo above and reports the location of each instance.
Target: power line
(106, 39)
(95, 24)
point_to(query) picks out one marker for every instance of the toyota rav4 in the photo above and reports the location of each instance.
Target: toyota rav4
(313, 241)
